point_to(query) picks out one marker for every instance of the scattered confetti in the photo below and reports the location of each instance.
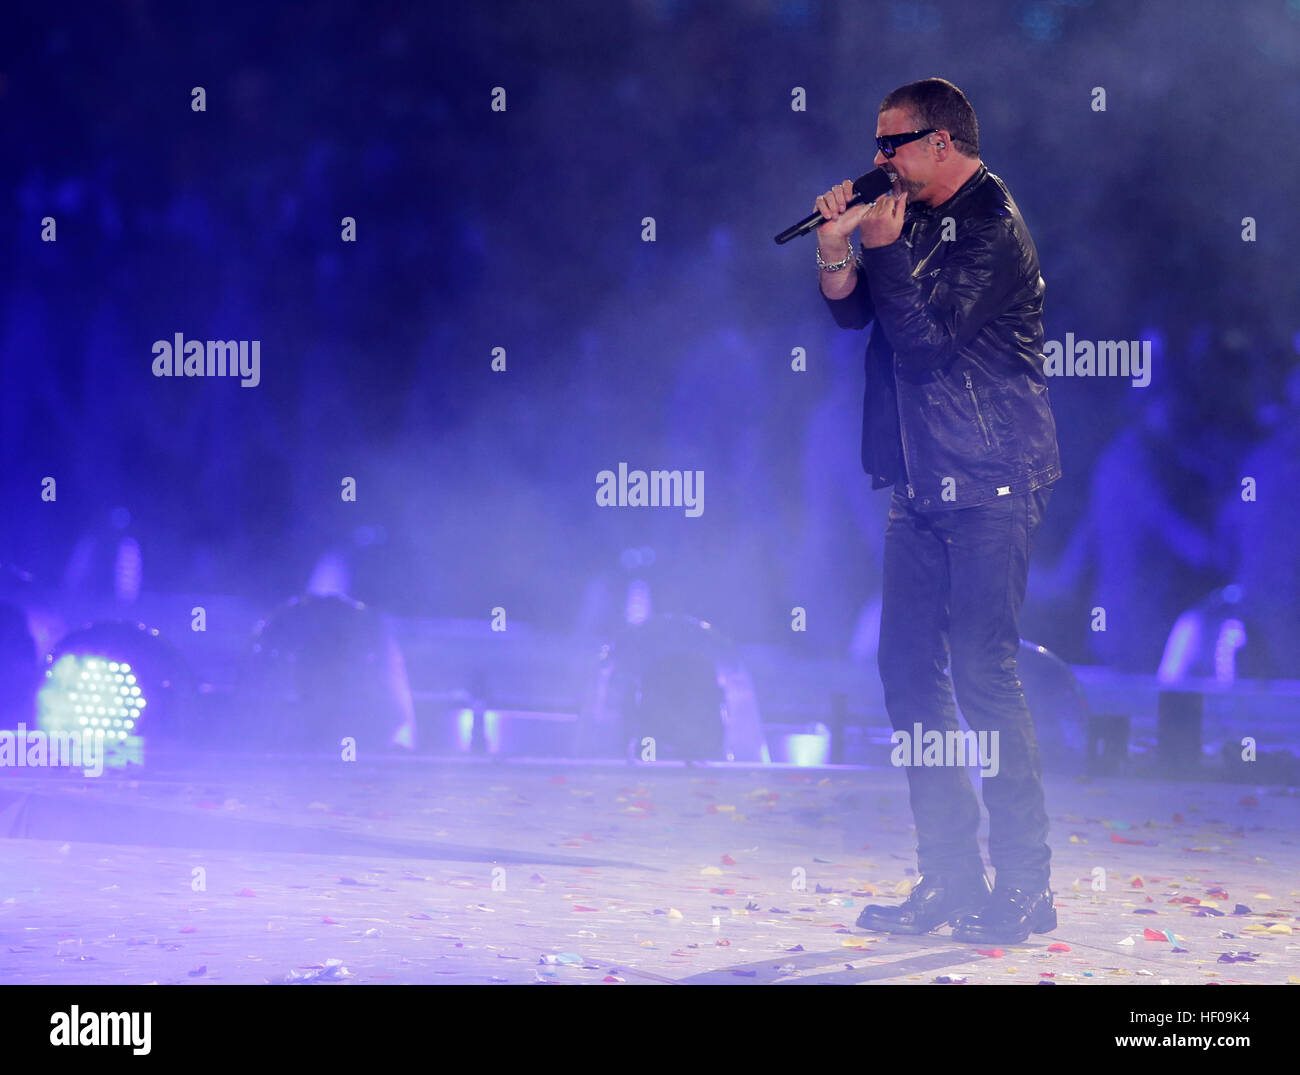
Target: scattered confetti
(331, 970)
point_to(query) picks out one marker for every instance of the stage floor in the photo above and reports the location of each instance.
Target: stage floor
(241, 871)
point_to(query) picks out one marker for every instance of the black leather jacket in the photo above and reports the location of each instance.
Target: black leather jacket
(955, 364)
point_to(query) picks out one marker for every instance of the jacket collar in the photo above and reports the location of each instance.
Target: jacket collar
(959, 195)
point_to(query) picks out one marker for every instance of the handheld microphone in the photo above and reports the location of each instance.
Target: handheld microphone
(866, 188)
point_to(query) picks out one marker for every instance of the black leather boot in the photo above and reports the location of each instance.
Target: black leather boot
(934, 900)
(1008, 917)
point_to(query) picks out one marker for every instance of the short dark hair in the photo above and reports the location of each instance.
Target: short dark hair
(936, 102)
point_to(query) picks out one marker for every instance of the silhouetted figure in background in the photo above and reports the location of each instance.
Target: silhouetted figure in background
(1147, 533)
(1263, 546)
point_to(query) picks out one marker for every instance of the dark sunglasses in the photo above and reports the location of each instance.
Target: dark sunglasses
(889, 143)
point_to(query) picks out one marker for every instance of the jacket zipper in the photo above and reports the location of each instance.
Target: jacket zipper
(898, 396)
(902, 437)
(975, 400)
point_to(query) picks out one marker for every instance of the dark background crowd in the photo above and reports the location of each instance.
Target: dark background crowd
(522, 229)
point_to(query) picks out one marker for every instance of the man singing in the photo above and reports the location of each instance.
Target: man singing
(956, 418)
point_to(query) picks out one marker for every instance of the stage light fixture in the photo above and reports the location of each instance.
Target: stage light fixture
(1058, 705)
(120, 679)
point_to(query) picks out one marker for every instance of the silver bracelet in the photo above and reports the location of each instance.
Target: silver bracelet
(838, 266)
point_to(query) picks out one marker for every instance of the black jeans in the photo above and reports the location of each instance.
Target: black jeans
(954, 583)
